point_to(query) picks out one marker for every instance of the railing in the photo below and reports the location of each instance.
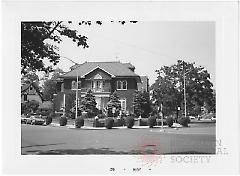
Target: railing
(96, 90)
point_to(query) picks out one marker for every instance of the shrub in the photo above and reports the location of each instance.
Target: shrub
(101, 116)
(183, 121)
(109, 123)
(129, 121)
(84, 115)
(79, 122)
(48, 120)
(169, 121)
(152, 121)
(63, 121)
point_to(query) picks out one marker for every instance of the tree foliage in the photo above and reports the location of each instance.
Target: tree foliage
(141, 104)
(88, 103)
(50, 85)
(168, 89)
(114, 103)
(29, 107)
(39, 42)
(30, 77)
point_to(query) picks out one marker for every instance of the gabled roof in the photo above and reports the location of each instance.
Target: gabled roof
(25, 87)
(116, 69)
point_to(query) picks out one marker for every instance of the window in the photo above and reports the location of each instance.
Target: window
(118, 84)
(123, 104)
(25, 97)
(122, 85)
(74, 85)
(97, 85)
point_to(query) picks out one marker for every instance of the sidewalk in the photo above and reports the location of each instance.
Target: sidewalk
(72, 126)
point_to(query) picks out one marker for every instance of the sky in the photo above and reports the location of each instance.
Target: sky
(147, 45)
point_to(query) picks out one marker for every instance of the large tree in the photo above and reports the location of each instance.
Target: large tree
(39, 39)
(50, 85)
(168, 89)
(114, 103)
(88, 103)
(141, 104)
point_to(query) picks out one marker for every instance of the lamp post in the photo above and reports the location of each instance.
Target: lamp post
(184, 92)
(54, 102)
(76, 112)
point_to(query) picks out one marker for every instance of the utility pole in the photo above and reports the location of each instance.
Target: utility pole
(185, 101)
(76, 112)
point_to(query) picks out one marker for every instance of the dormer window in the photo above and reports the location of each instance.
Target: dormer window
(122, 85)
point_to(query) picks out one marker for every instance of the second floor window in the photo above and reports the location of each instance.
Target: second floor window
(74, 85)
(122, 85)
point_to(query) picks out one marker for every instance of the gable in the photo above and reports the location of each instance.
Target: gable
(98, 74)
(31, 89)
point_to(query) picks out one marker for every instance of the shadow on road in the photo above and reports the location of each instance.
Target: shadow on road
(41, 145)
(101, 151)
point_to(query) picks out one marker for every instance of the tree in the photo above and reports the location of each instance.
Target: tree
(168, 88)
(30, 77)
(50, 85)
(141, 104)
(39, 39)
(114, 103)
(29, 107)
(88, 103)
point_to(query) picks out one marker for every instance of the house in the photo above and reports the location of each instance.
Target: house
(103, 78)
(30, 91)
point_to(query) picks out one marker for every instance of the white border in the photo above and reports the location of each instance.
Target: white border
(225, 14)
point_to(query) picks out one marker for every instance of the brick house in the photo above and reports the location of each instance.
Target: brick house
(103, 78)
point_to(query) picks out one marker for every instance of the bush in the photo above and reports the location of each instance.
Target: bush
(101, 116)
(169, 121)
(48, 120)
(152, 121)
(129, 121)
(109, 123)
(79, 122)
(63, 121)
(183, 121)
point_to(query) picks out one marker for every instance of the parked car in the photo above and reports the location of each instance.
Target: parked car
(37, 119)
(192, 117)
(213, 118)
(24, 118)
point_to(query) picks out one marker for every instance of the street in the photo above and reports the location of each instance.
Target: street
(45, 140)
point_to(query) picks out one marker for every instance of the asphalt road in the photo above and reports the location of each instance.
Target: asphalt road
(45, 140)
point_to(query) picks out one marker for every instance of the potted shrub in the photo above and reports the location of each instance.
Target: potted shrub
(129, 121)
(109, 123)
(169, 121)
(152, 121)
(48, 120)
(79, 122)
(96, 122)
(63, 120)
